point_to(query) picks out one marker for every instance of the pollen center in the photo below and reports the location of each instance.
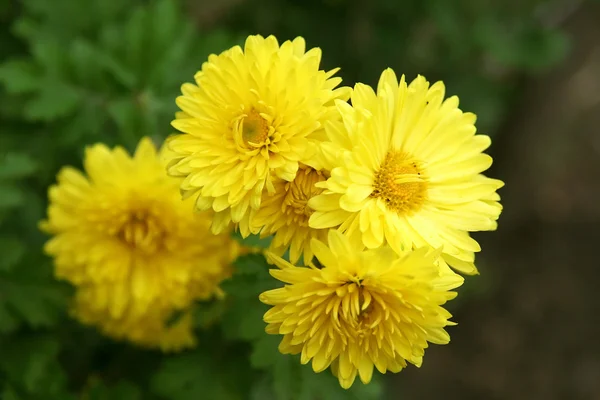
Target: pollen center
(143, 232)
(255, 130)
(400, 183)
(299, 191)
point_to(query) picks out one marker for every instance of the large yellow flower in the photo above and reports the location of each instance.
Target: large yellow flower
(123, 235)
(406, 170)
(285, 214)
(363, 309)
(250, 117)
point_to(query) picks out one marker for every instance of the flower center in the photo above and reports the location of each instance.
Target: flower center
(299, 191)
(142, 231)
(255, 130)
(400, 183)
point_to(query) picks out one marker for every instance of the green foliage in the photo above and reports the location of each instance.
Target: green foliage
(73, 73)
(31, 368)
(120, 77)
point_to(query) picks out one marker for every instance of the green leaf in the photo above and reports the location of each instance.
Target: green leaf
(12, 250)
(8, 322)
(254, 265)
(16, 166)
(285, 379)
(244, 317)
(39, 302)
(120, 391)
(208, 313)
(55, 100)
(49, 53)
(19, 76)
(31, 363)
(265, 351)
(201, 375)
(520, 44)
(254, 241)
(11, 196)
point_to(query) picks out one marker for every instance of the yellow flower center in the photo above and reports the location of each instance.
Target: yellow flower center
(255, 130)
(400, 183)
(142, 231)
(299, 191)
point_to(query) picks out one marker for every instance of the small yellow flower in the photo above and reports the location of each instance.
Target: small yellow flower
(252, 115)
(123, 235)
(285, 214)
(363, 309)
(406, 170)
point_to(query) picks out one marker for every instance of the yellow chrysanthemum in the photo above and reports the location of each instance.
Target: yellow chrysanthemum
(363, 309)
(248, 120)
(123, 235)
(285, 214)
(152, 329)
(406, 170)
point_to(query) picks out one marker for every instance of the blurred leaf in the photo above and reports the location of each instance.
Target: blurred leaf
(265, 351)
(31, 363)
(120, 391)
(10, 196)
(520, 44)
(19, 76)
(16, 166)
(8, 322)
(209, 313)
(12, 250)
(197, 375)
(38, 300)
(55, 100)
(253, 241)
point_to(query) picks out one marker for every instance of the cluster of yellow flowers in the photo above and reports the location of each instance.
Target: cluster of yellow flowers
(376, 197)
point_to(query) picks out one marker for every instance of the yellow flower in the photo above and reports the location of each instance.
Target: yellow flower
(285, 214)
(363, 309)
(152, 329)
(123, 235)
(248, 120)
(406, 170)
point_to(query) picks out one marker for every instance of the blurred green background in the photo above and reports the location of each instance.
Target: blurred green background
(77, 72)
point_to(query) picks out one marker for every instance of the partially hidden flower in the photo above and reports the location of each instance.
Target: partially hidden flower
(250, 117)
(406, 170)
(363, 309)
(124, 238)
(285, 213)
